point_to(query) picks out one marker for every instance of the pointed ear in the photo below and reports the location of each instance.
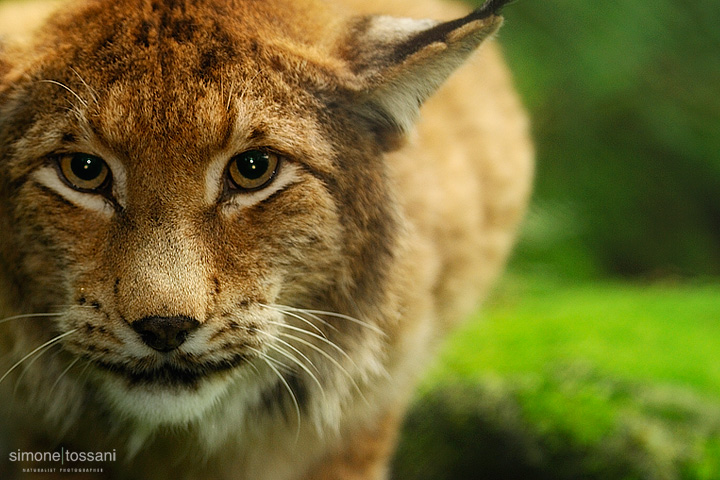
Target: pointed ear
(398, 63)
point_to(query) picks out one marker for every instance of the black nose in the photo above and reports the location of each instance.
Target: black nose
(164, 334)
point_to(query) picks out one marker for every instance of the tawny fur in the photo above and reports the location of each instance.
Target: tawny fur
(398, 230)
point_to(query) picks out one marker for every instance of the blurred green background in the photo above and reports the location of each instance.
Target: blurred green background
(598, 354)
(625, 99)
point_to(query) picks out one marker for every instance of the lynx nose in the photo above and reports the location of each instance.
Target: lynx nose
(165, 334)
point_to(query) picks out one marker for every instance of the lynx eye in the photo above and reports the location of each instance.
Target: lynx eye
(252, 169)
(83, 171)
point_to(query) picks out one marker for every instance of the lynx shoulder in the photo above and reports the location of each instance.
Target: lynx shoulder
(234, 231)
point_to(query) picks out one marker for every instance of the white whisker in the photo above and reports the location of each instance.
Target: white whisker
(288, 309)
(246, 86)
(90, 90)
(30, 315)
(229, 100)
(27, 367)
(268, 362)
(290, 312)
(294, 349)
(314, 335)
(307, 370)
(329, 357)
(60, 84)
(84, 375)
(314, 317)
(36, 350)
(278, 363)
(64, 372)
(354, 320)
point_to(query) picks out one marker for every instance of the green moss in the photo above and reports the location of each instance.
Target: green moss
(565, 382)
(656, 333)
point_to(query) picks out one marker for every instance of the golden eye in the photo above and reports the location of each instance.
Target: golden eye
(84, 172)
(253, 169)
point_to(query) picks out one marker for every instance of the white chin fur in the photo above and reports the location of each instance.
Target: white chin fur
(154, 406)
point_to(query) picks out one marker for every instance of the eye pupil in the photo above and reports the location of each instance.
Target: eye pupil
(253, 164)
(83, 171)
(252, 169)
(87, 167)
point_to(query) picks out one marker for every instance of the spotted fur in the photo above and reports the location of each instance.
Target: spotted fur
(299, 313)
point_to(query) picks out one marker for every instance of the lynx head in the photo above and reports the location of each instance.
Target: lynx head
(193, 196)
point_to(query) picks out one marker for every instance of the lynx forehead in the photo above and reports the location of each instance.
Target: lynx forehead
(231, 236)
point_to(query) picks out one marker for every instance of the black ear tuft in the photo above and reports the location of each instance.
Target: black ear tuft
(491, 7)
(398, 63)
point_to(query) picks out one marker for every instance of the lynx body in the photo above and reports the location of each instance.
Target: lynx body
(231, 238)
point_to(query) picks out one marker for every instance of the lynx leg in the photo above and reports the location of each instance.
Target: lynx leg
(365, 454)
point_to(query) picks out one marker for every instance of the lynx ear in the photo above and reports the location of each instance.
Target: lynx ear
(400, 62)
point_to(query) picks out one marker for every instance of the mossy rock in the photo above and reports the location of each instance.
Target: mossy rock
(494, 429)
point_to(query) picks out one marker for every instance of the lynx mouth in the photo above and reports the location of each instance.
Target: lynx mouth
(167, 394)
(171, 375)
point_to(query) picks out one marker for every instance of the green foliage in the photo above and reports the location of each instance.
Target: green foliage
(625, 100)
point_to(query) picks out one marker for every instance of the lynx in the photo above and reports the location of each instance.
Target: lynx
(235, 231)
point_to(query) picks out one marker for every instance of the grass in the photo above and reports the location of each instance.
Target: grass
(667, 334)
(606, 381)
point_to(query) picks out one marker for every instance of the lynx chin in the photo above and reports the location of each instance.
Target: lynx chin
(235, 231)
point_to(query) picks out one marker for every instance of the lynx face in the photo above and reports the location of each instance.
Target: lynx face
(196, 205)
(176, 195)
